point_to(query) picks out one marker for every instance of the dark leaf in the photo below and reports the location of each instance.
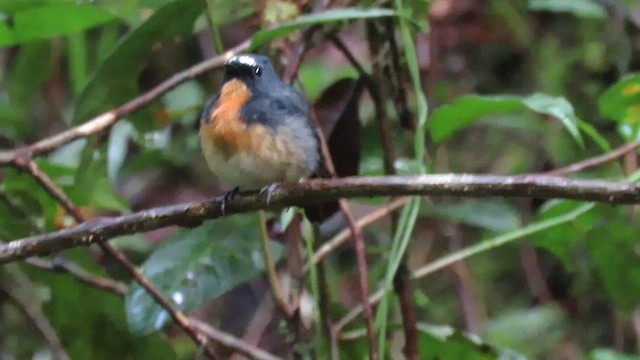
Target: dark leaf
(116, 80)
(337, 111)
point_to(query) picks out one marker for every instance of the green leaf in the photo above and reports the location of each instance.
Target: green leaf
(194, 266)
(561, 240)
(494, 215)
(329, 16)
(580, 8)
(116, 80)
(608, 354)
(534, 331)
(447, 343)
(464, 111)
(448, 119)
(557, 107)
(613, 248)
(50, 20)
(621, 102)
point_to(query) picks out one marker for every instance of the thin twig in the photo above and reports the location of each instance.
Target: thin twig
(56, 192)
(105, 120)
(270, 266)
(231, 341)
(315, 191)
(65, 267)
(358, 240)
(344, 235)
(594, 161)
(39, 321)
(465, 253)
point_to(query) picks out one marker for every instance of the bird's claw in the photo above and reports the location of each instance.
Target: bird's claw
(270, 189)
(228, 197)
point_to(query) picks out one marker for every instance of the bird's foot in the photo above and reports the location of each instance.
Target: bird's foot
(228, 198)
(269, 190)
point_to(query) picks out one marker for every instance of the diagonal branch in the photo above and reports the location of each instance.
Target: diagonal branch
(322, 190)
(105, 120)
(58, 194)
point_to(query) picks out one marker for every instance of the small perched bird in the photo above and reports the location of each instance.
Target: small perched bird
(256, 131)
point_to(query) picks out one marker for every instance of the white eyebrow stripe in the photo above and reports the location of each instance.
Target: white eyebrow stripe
(245, 59)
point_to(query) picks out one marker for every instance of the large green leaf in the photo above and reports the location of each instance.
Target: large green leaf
(116, 79)
(50, 20)
(449, 119)
(613, 246)
(329, 16)
(621, 102)
(194, 266)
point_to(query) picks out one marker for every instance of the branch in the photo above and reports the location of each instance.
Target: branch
(35, 315)
(595, 161)
(322, 190)
(105, 120)
(56, 192)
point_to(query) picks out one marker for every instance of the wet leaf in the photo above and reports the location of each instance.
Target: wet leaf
(195, 266)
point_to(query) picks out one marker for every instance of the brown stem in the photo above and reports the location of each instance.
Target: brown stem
(402, 287)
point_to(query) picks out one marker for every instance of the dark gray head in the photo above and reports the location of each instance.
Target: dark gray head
(254, 70)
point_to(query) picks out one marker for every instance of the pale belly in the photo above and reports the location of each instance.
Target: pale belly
(272, 161)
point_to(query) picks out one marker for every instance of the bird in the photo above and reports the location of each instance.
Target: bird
(257, 132)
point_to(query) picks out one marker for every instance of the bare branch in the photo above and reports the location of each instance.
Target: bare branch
(322, 190)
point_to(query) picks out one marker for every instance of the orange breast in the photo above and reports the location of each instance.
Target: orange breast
(224, 127)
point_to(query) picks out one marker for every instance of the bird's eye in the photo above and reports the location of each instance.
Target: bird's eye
(257, 71)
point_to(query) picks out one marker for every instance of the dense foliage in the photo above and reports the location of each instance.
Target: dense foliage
(462, 86)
